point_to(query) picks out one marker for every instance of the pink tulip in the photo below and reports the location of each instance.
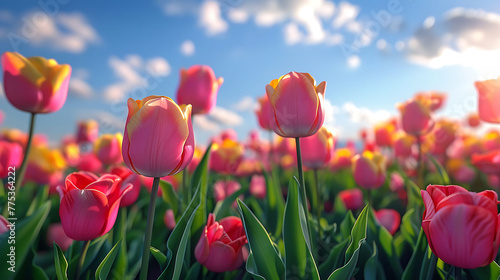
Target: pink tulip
(488, 163)
(258, 186)
(342, 158)
(492, 140)
(89, 162)
(389, 218)
(443, 135)
(4, 225)
(473, 120)
(108, 148)
(35, 84)
(158, 140)
(489, 100)
(45, 166)
(89, 205)
(463, 228)
(416, 116)
(264, 113)
(352, 199)
(297, 105)
(383, 134)
(402, 144)
(223, 189)
(55, 233)
(229, 134)
(128, 178)
(169, 219)
(221, 245)
(397, 185)
(198, 87)
(10, 156)
(369, 170)
(317, 150)
(87, 131)
(226, 157)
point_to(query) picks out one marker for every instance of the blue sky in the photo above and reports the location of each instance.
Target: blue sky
(370, 62)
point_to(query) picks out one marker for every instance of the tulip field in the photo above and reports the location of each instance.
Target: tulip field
(414, 197)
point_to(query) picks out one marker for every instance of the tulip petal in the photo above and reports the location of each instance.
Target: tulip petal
(16, 64)
(113, 210)
(221, 258)
(201, 250)
(189, 145)
(233, 226)
(79, 180)
(430, 209)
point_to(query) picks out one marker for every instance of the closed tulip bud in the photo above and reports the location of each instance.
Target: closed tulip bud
(71, 153)
(383, 134)
(129, 178)
(369, 170)
(221, 245)
(342, 158)
(35, 84)
(169, 219)
(297, 105)
(489, 100)
(87, 131)
(55, 233)
(317, 150)
(10, 156)
(90, 163)
(223, 189)
(89, 205)
(389, 218)
(158, 140)
(264, 113)
(226, 157)
(45, 166)
(416, 116)
(462, 227)
(108, 148)
(352, 199)
(199, 87)
(403, 144)
(258, 186)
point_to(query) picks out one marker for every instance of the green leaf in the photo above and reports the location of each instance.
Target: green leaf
(61, 263)
(490, 272)
(347, 270)
(335, 259)
(36, 271)
(105, 267)
(299, 262)
(223, 208)
(170, 196)
(252, 268)
(40, 198)
(120, 266)
(267, 262)
(179, 259)
(373, 268)
(409, 229)
(442, 172)
(194, 272)
(417, 258)
(346, 226)
(26, 232)
(275, 203)
(358, 232)
(162, 260)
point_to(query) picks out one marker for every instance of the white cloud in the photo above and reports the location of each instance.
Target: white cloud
(237, 15)
(364, 115)
(462, 37)
(246, 104)
(292, 33)
(78, 85)
(346, 13)
(330, 116)
(69, 32)
(219, 118)
(187, 48)
(133, 72)
(353, 61)
(211, 18)
(202, 122)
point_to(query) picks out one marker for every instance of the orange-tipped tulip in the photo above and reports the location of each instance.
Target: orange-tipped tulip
(35, 84)
(317, 150)
(87, 131)
(264, 113)
(158, 140)
(369, 170)
(489, 100)
(45, 166)
(402, 144)
(108, 148)
(383, 134)
(297, 105)
(199, 87)
(226, 157)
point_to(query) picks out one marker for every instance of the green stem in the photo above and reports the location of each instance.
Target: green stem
(369, 198)
(271, 152)
(458, 273)
(420, 163)
(186, 190)
(81, 260)
(303, 187)
(22, 169)
(318, 202)
(149, 230)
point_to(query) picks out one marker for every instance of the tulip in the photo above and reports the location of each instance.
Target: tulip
(4, 225)
(158, 140)
(488, 163)
(297, 105)
(397, 185)
(226, 157)
(108, 148)
(128, 178)
(443, 135)
(71, 153)
(87, 131)
(435, 98)
(489, 100)
(492, 140)
(473, 120)
(459, 169)
(224, 189)
(369, 170)
(45, 166)
(352, 199)
(89, 205)
(221, 245)
(264, 113)
(416, 116)
(55, 233)
(169, 219)
(342, 158)
(402, 144)
(229, 134)
(389, 218)
(462, 227)
(89, 162)
(10, 156)
(383, 134)
(35, 84)
(258, 186)
(317, 149)
(198, 87)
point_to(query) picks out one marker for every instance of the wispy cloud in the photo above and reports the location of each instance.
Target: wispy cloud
(247, 103)
(78, 85)
(219, 118)
(187, 48)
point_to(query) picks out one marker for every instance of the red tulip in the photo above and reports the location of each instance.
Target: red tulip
(108, 148)
(342, 158)
(383, 134)
(35, 84)
(221, 245)
(297, 105)
(402, 144)
(198, 87)
(369, 170)
(4, 225)
(317, 149)
(473, 120)
(89, 162)
(169, 219)
(226, 157)
(223, 189)
(55, 233)
(258, 186)
(389, 218)
(352, 199)
(10, 156)
(89, 205)
(463, 228)
(87, 131)
(489, 100)
(488, 163)
(158, 140)
(264, 113)
(128, 178)
(45, 166)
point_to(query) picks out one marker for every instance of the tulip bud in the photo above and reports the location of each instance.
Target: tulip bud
(169, 219)
(369, 170)
(416, 116)
(489, 100)
(264, 113)
(87, 131)
(389, 218)
(352, 199)
(10, 156)
(317, 149)
(226, 157)
(108, 148)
